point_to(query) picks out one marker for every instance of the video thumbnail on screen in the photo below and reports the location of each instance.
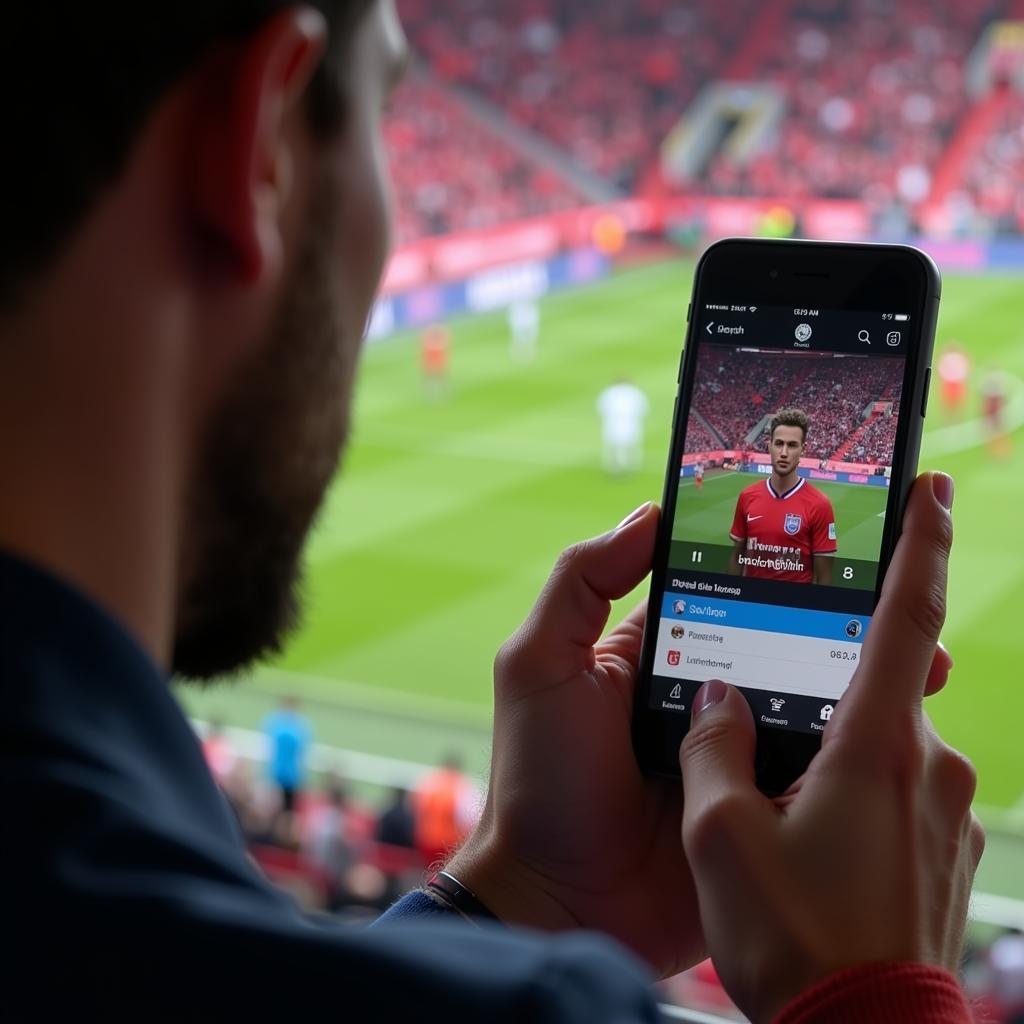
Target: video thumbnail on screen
(786, 465)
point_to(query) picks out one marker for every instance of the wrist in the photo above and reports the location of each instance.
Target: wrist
(897, 990)
(515, 893)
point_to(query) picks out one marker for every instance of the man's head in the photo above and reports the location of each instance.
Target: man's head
(787, 437)
(222, 160)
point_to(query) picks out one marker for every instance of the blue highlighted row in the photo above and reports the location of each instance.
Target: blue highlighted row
(769, 618)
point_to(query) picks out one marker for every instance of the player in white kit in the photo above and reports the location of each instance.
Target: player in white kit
(524, 329)
(623, 407)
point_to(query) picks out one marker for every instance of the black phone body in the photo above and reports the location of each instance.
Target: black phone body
(770, 559)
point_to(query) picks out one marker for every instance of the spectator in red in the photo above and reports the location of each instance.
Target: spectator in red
(444, 806)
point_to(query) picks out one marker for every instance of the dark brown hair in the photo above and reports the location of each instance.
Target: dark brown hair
(790, 418)
(83, 77)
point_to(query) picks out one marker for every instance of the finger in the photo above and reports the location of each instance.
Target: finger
(717, 762)
(557, 640)
(626, 639)
(938, 674)
(904, 631)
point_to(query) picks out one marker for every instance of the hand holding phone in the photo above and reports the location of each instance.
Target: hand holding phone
(795, 438)
(573, 835)
(870, 856)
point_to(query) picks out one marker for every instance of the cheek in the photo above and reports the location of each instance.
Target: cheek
(365, 229)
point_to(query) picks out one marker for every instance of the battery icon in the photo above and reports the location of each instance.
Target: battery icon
(902, 316)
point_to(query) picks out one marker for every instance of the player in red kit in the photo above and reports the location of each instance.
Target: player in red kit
(698, 475)
(435, 349)
(784, 528)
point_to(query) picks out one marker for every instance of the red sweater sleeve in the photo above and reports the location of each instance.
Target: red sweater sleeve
(897, 992)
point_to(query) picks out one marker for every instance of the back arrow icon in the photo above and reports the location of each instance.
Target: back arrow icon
(709, 326)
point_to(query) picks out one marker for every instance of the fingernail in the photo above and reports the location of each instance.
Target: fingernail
(711, 693)
(634, 515)
(942, 487)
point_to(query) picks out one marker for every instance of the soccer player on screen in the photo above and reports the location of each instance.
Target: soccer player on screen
(784, 528)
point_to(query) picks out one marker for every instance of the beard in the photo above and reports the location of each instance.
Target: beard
(266, 460)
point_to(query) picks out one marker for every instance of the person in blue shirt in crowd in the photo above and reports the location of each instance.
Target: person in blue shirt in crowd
(288, 735)
(196, 218)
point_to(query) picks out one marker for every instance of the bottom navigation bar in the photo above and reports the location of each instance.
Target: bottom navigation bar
(771, 710)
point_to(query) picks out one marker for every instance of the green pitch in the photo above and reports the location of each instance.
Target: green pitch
(448, 515)
(704, 516)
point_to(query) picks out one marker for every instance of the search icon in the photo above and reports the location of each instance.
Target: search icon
(865, 337)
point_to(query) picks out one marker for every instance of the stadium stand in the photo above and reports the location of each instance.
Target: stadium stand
(738, 391)
(875, 107)
(699, 438)
(452, 173)
(872, 100)
(990, 188)
(604, 81)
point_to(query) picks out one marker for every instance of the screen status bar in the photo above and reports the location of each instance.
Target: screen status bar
(807, 328)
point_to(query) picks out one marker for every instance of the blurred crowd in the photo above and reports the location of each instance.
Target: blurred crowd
(311, 833)
(872, 105)
(454, 174)
(698, 437)
(604, 81)
(352, 857)
(873, 100)
(849, 410)
(991, 192)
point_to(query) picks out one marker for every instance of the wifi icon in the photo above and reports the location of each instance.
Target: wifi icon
(753, 309)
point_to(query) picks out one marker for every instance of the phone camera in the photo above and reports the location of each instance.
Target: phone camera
(773, 273)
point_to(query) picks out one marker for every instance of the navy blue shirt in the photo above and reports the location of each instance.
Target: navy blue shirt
(128, 894)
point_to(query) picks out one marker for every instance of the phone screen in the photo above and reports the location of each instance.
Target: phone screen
(781, 504)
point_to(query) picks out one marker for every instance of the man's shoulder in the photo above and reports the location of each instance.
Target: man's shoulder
(814, 496)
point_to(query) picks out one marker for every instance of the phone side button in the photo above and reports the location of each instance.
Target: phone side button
(927, 388)
(688, 308)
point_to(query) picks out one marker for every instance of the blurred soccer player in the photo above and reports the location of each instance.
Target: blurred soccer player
(993, 409)
(784, 527)
(954, 369)
(524, 329)
(435, 356)
(698, 476)
(623, 407)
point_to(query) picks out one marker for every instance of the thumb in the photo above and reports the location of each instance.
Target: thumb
(717, 762)
(557, 640)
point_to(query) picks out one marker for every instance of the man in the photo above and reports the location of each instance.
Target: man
(288, 735)
(784, 527)
(446, 807)
(623, 407)
(196, 219)
(954, 370)
(435, 355)
(524, 329)
(698, 475)
(994, 399)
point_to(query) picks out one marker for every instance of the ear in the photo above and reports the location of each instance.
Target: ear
(242, 158)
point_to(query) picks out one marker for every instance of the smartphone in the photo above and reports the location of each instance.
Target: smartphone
(802, 393)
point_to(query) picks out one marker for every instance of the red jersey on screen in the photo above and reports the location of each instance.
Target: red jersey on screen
(783, 532)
